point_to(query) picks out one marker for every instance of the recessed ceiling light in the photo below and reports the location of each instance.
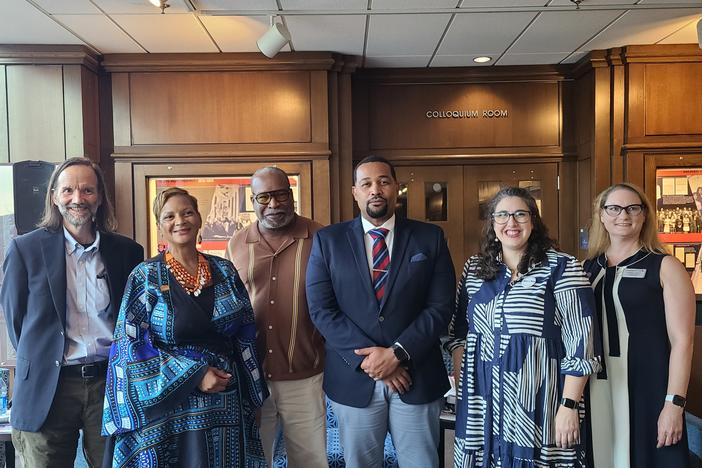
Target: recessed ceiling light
(483, 59)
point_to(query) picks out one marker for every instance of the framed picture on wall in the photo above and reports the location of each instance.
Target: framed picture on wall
(224, 203)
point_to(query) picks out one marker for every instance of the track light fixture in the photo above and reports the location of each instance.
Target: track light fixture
(274, 39)
(162, 4)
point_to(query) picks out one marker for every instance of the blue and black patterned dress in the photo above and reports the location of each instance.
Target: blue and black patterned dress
(521, 339)
(164, 342)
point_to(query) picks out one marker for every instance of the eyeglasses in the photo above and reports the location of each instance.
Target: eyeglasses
(631, 210)
(265, 198)
(520, 216)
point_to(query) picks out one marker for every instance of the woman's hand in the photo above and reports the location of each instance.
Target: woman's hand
(214, 381)
(670, 424)
(567, 427)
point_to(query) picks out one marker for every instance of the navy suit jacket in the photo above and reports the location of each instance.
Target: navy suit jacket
(33, 296)
(415, 309)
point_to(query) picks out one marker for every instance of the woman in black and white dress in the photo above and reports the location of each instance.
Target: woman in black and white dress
(645, 305)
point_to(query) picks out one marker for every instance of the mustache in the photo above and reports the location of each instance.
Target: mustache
(76, 205)
(378, 198)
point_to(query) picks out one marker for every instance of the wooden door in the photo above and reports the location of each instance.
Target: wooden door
(480, 183)
(434, 194)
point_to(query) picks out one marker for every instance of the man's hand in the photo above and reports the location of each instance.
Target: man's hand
(379, 362)
(214, 381)
(399, 381)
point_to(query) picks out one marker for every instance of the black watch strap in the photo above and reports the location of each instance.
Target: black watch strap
(568, 403)
(400, 353)
(677, 400)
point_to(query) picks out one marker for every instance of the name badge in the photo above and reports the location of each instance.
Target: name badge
(634, 273)
(529, 282)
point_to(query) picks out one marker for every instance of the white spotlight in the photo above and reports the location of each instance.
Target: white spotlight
(274, 39)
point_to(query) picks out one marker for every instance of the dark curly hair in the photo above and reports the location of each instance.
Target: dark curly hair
(491, 248)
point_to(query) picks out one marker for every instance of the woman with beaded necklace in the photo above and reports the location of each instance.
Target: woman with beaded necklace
(183, 382)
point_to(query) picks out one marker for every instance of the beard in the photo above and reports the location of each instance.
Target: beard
(272, 224)
(379, 212)
(77, 220)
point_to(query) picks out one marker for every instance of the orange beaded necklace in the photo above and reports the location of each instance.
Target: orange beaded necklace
(192, 285)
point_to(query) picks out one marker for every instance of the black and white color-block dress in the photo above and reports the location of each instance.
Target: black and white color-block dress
(521, 339)
(628, 394)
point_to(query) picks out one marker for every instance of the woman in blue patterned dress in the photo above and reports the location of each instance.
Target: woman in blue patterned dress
(183, 382)
(522, 345)
(646, 308)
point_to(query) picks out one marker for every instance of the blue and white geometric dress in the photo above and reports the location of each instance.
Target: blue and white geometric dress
(521, 339)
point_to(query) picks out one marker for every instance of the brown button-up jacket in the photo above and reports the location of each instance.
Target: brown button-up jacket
(290, 346)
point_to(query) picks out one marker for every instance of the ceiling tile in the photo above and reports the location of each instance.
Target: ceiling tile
(483, 33)
(562, 31)
(531, 59)
(413, 4)
(686, 35)
(167, 33)
(68, 7)
(502, 3)
(235, 4)
(593, 2)
(663, 2)
(343, 33)
(236, 33)
(642, 27)
(139, 7)
(458, 61)
(21, 23)
(402, 61)
(359, 5)
(391, 35)
(100, 33)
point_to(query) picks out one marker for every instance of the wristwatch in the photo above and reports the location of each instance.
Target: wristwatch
(677, 400)
(568, 403)
(400, 352)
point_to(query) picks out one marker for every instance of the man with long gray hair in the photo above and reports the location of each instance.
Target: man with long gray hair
(271, 257)
(62, 289)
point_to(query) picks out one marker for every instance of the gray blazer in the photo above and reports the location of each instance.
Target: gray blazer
(33, 296)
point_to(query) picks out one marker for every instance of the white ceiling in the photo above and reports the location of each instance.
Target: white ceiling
(386, 33)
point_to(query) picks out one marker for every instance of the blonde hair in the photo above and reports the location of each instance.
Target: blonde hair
(599, 240)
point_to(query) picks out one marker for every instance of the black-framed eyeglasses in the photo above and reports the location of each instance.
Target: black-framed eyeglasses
(631, 210)
(265, 198)
(520, 216)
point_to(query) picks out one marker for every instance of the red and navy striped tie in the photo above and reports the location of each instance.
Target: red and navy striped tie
(381, 261)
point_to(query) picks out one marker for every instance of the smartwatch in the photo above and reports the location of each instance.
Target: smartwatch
(677, 400)
(400, 352)
(568, 403)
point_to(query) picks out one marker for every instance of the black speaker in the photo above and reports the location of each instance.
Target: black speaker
(29, 184)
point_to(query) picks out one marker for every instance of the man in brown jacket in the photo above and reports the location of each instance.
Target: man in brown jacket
(271, 258)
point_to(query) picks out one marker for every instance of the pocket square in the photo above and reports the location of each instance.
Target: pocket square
(420, 257)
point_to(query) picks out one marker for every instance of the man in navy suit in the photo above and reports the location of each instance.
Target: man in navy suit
(381, 290)
(61, 293)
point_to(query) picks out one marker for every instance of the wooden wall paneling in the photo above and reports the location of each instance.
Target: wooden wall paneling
(73, 110)
(398, 119)
(4, 148)
(121, 110)
(35, 113)
(227, 107)
(673, 99)
(567, 215)
(124, 199)
(584, 200)
(345, 148)
(601, 152)
(618, 116)
(318, 107)
(91, 113)
(105, 137)
(320, 186)
(360, 120)
(333, 87)
(635, 102)
(635, 170)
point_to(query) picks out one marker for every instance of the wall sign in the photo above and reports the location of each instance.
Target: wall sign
(467, 114)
